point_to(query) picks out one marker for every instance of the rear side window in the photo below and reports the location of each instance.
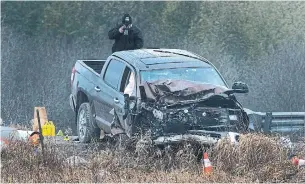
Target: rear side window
(114, 73)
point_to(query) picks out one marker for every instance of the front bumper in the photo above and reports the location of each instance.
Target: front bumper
(202, 137)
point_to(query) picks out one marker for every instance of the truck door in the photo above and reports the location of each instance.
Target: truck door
(127, 86)
(109, 97)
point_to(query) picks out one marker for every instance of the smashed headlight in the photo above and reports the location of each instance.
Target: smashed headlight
(233, 117)
(158, 114)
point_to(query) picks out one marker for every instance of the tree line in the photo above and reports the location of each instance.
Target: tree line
(260, 43)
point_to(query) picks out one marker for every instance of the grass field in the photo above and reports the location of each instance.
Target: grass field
(258, 158)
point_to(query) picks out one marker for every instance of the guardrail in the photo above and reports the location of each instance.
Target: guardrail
(289, 123)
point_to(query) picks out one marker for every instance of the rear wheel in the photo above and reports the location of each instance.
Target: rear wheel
(85, 124)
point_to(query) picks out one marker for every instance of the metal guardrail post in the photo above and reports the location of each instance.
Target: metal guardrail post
(256, 121)
(268, 121)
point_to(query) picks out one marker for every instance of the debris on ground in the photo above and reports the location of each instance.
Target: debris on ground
(286, 142)
(10, 134)
(75, 161)
(34, 139)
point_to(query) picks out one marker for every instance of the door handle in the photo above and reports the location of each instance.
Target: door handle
(98, 89)
(116, 100)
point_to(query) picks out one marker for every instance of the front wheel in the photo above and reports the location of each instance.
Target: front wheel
(85, 124)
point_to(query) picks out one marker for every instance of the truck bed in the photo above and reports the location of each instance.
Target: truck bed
(89, 70)
(95, 65)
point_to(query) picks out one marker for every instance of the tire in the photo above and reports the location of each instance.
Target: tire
(86, 130)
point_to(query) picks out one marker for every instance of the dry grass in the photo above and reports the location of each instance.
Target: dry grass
(257, 158)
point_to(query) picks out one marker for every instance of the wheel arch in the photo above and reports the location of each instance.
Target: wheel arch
(83, 97)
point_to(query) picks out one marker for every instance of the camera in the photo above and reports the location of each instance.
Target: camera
(126, 29)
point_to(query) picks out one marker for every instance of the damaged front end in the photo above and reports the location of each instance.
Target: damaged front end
(172, 111)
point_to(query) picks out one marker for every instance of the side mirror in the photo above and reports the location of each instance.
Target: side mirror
(129, 104)
(240, 87)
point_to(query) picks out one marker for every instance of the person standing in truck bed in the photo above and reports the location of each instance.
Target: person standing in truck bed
(126, 35)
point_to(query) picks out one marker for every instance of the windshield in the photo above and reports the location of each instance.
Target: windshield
(201, 75)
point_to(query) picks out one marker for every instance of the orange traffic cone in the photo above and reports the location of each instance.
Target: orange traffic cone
(298, 162)
(207, 166)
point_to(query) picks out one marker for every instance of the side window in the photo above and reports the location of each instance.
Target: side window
(114, 73)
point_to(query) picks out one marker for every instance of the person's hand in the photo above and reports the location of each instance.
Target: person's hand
(122, 29)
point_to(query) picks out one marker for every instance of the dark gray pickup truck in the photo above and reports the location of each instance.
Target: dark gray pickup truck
(168, 94)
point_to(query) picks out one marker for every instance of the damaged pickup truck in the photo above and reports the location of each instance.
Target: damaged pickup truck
(169, 95)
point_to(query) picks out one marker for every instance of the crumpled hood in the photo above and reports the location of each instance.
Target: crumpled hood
(173, 91)
(178, 106)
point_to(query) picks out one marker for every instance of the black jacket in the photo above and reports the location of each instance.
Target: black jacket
(134, 39)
